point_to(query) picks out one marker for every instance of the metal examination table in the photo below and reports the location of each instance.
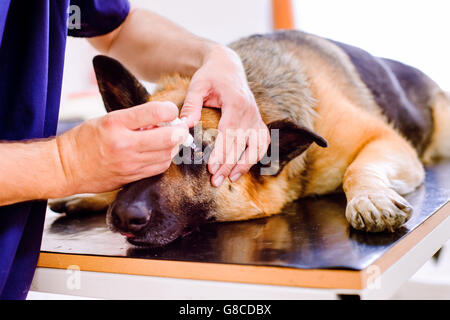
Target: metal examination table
(309, 251)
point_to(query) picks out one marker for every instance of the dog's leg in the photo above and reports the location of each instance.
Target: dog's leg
(83, 203)
(383, 169)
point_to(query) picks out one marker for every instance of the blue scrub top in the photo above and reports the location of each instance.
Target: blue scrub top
(33, 39)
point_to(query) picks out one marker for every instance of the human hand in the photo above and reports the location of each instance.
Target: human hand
(105, 153)
(243, 137)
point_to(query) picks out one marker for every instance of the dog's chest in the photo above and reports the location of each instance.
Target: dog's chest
(316, 177)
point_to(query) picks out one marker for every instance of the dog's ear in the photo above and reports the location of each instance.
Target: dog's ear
(288, 140)
(118, 87)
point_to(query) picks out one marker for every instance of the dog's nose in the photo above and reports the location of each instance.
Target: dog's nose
(130, 218)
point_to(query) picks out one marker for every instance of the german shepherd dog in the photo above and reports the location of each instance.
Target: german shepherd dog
(347, 121)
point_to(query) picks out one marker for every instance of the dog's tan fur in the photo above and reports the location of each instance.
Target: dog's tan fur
(313, 83)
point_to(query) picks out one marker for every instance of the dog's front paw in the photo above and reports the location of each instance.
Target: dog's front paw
(378, 211)
(78, 204)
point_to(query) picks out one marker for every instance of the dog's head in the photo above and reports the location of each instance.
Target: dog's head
(159, 209)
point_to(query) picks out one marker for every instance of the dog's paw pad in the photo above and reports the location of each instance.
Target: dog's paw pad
(378, 211)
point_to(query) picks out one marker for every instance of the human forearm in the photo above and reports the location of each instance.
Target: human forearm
(150, 46)
(30, 171)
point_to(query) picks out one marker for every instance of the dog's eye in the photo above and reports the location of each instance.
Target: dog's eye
(197, 155)
(185, 154)
(188, 155)
(181, 151)
(206, 151)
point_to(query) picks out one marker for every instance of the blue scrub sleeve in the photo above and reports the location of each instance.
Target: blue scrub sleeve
(98, 17)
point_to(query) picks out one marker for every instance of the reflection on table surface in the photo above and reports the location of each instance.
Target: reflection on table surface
(310, 233)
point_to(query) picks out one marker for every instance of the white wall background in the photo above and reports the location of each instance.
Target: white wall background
(412, 31)
(221, 20)
(416, 32)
